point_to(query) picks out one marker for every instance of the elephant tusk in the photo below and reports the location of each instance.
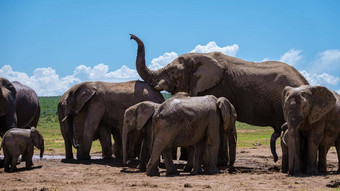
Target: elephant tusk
(64, 119)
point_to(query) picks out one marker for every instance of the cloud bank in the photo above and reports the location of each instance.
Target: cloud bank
(46, 82)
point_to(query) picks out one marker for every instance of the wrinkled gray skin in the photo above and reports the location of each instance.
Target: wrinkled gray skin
(253, 88)
(313, 122)
(95, 110)
(19, 106)
(183, 121)
(139, 117)
(21, 141)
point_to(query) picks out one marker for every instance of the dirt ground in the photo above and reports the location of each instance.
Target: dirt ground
(255, 170)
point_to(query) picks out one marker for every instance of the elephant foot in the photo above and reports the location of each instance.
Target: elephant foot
(153, 173)
(312, 171)
(141, 167)
(67, 157)
(107, 157)
(222, 162)
(84, 157)
(231, 170)
(14, 169)
(173, 172)
(294, 172)
(7, 169)
(187, 168)
(213, 170)
(196, 172)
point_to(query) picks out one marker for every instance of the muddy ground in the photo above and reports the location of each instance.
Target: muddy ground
(255, 170)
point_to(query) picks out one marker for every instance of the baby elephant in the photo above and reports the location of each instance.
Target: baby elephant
(21, 141)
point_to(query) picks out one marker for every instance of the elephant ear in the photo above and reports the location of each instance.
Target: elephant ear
(284, 96)
(323, 102)
(144, 112)
(228, 113)
(83, 95)
(207, 74)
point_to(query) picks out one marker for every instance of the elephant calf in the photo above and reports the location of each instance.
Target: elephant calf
(313, 126)
(21, 141)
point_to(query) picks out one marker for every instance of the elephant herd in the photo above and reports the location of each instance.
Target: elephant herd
(210, 91)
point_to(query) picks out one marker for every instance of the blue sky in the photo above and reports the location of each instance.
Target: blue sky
(52, 45)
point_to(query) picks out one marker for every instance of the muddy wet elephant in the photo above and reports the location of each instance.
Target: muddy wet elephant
(183, 121)
(18, 142)
(95, 110)
(19, 106)
(313, 126)
(253, 88)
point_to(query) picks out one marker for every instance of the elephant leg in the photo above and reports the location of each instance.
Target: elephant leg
(273, 138)
(323, 150)
(213, 143)
(312, 146)
(68, 145)
(159, 146)
(28, 155)
(7, 160)
(337, 147)
(174, 153)
(143, 157)
(223, 154)
(14, 162)
(190, 164)
(198, 158)
(284, 164)
(117, 145)
(184, 153)
(170, 167)
(93, 118)
(105, 142)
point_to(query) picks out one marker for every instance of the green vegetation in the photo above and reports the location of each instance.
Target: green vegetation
(247, 135)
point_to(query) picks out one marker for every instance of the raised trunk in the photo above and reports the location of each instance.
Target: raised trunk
(145, 73)
(124, 142)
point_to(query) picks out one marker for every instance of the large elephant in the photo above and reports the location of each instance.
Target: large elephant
(185, 121)
(253, 88)
(95, 110)
(19, 106)
(313, 124)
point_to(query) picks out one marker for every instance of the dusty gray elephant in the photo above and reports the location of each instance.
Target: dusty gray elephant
(185, 121)
(139, 117)
(95, 110)
(313, 121)
(19, 106)
(253, 88)
(21, 141)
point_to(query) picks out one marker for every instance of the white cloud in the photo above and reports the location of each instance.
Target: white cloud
(320, 79)
(46, 82)
(291, 57)
(213, 47)
(327, 61)
(163, 60)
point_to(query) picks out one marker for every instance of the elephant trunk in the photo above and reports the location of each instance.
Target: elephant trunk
(69, 121)
(293, 150)
(145, 73)
(42, 151)
(124, 142)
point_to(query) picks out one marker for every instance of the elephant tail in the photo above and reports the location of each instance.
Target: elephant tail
(69, 122)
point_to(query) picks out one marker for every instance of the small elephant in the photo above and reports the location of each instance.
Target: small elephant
(18, 142)
(184, 121)
(139, 118)
(313, 123)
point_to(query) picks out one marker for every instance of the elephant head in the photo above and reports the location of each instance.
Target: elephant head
(229, 117)
(74, 102)
(8, 118)
(303, 106)
(38, 140)
(192, 72)
(136, 117)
